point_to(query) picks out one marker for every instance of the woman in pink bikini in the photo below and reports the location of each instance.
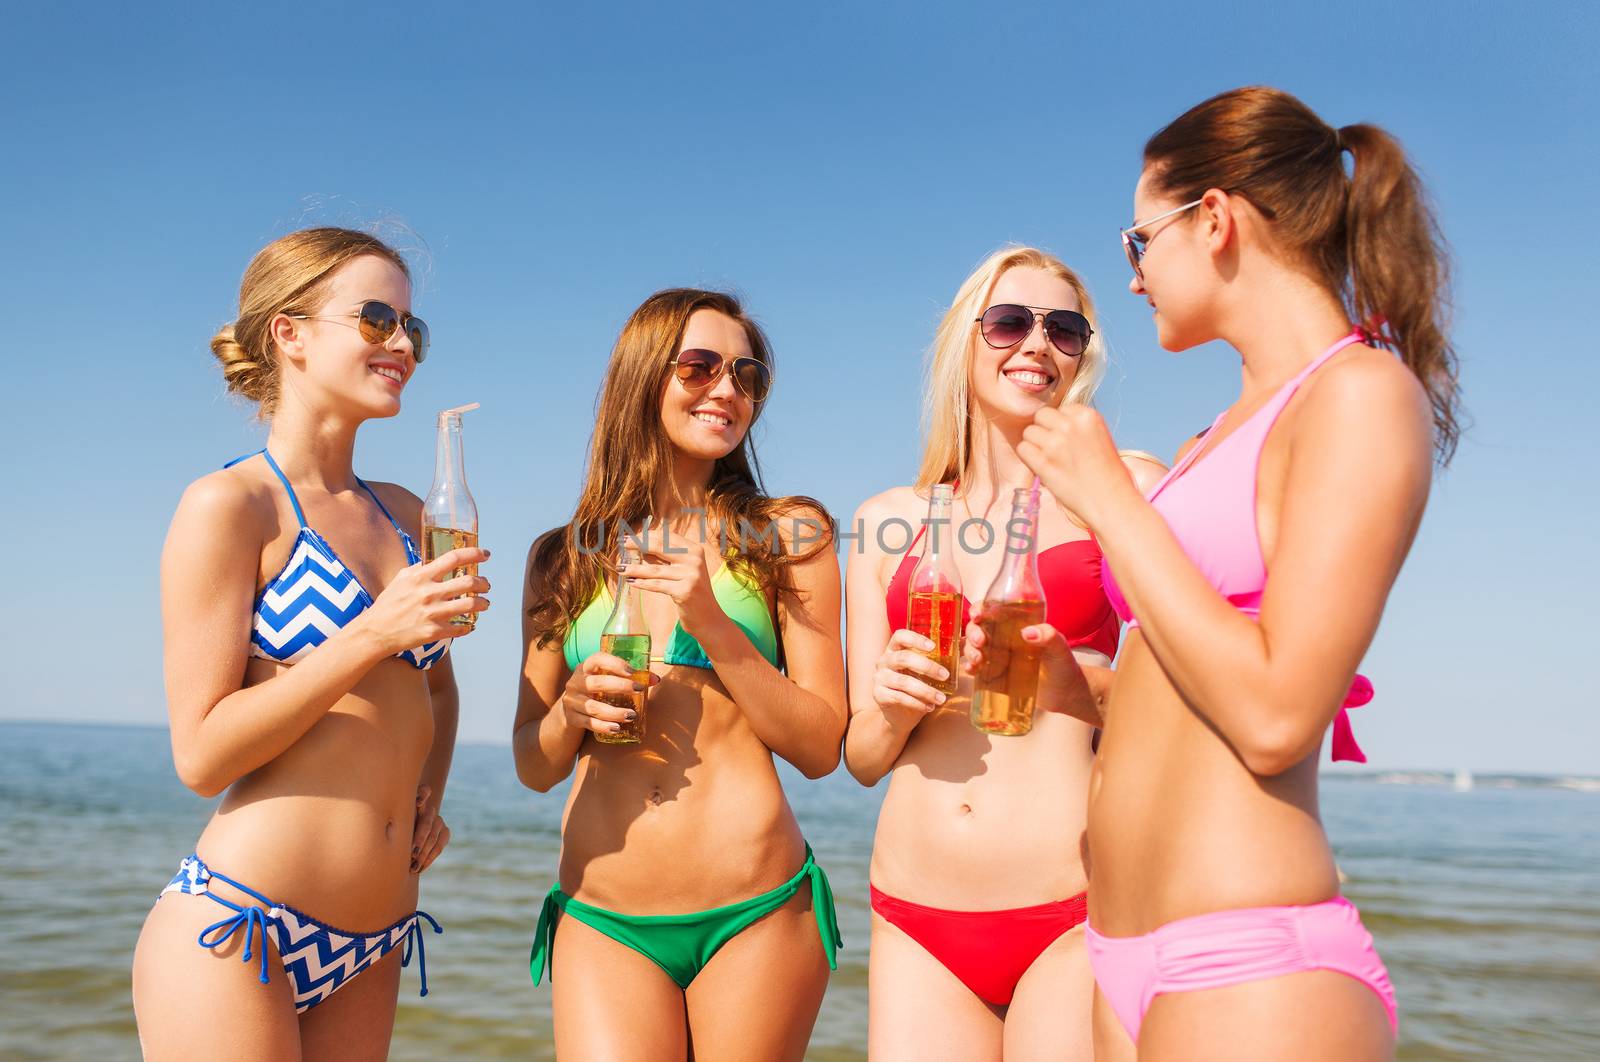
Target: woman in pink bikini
(977, 868)
(1215, 919)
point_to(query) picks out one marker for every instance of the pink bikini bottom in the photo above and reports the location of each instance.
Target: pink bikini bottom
(1231, 947)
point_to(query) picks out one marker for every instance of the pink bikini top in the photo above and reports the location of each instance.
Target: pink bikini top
(1212, 511)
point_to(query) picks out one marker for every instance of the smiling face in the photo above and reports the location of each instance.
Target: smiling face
(1179, 280)
(327, 364)
(711, 422)
(1012, 383)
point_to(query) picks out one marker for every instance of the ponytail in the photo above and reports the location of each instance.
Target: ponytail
(1399, 274)
(1370, 235)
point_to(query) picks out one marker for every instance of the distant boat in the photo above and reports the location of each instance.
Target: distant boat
(1463, 781)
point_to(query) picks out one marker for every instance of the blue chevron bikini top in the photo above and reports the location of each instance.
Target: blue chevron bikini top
(315, 595)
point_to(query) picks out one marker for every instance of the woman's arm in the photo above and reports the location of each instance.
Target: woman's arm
(430, 834)
(443, 694)
(801, 715)
(1074, 682)
(887, 698)
(544, 746)
(446, 701)
(545, 741)
(220, 731)
(1358, 475)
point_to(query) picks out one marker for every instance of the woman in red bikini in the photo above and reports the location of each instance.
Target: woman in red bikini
(1256, 573)
(977, 874)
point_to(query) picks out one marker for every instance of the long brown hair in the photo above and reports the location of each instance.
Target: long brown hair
(1370, 236)
(288, 275)
(630, 454)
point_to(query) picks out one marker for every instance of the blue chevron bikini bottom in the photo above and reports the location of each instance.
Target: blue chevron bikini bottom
(317, 958)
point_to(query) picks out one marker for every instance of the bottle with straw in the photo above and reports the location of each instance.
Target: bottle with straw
(449, 516)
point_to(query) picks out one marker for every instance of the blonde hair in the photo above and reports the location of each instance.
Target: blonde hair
(289, 275)
(948, 415)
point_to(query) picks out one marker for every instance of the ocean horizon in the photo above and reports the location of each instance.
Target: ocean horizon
(1482, 891)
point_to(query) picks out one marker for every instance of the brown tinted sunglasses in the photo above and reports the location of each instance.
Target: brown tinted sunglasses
(698, 369)
(378, 321)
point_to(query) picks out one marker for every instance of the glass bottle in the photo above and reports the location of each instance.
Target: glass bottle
(449, 516)
(626, 635)
(934, 608)
(1007, 685)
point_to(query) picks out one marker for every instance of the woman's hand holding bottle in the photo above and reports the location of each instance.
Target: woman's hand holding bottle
(679, 571)
(419, 605)
(600, 675)
(903, 683)
(1062, 685)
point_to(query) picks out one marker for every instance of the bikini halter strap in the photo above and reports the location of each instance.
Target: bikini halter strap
(382, 508)
(299, 514)
(1356, 336)
(294, 501)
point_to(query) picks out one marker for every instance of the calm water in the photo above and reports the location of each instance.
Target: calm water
(1485, 904)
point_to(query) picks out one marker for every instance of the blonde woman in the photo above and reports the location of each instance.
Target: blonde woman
(307, 679)
(977, 874)
(690, 919)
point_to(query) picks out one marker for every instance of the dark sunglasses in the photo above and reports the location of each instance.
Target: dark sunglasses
(1006, 324)
(698, 369)
(377, 322)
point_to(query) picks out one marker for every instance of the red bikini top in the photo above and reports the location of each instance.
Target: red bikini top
(1075, 600)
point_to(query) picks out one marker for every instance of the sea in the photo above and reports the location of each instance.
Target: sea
(1483, 894)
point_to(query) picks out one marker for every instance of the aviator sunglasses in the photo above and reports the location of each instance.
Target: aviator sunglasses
(378, 322)
(698, 369)
(1006, 324)
(1134, 242)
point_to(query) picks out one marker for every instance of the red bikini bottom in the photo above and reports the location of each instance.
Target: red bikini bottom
(988, 951)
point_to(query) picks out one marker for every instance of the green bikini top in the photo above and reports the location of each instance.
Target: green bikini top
(740, 597)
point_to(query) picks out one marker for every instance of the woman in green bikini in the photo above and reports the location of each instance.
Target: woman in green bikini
(690, 915)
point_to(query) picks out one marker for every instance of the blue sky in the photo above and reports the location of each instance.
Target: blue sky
(842, 167)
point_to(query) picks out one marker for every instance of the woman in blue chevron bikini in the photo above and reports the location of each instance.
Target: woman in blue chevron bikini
(305, 650)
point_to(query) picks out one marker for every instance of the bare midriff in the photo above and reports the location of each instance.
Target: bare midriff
(979, 823)
(1178, 826)
(691, 818)
(326, 826)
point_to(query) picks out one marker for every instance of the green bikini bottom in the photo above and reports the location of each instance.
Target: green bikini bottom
(683, 944)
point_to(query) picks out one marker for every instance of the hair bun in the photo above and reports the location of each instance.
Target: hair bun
(286, 276)
(245, 374)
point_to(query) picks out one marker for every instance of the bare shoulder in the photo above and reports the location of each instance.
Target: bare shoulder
(802, 524)
(229, 499)
(540, 556)
(221, 523)
(1188, 444)
(897, 505)
(901, 503)
(1367, 374)
(1370, 388)
(404, 506)
(1144, 468)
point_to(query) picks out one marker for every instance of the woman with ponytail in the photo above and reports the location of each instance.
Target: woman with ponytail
(1214, 910)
